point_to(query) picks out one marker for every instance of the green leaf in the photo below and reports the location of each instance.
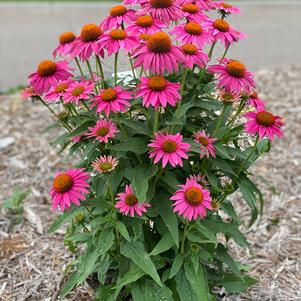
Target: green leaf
(170, 179)
(67, 216)
(176, 265)
(141, 175)
(247, 192)
(102, 269)
(123, 230)
(234, 284)
(81, 128)
(163, 205)
(227, 259)
(138, 127)
(205, 231)
(222, 150)
(69, 284)
(79, 237)
(105, 240)
(136, 252)
(104, 292)
(184, 288)
(183, 109)
(88, 263)
(197, 281)
(148, 290)
(131, 276)
(135, 145)
(163, 245)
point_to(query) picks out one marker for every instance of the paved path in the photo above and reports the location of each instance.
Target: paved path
(28, 33)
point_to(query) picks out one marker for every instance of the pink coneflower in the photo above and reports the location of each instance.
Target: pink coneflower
(206, 144)
(191, 200)
(48, 74)
(103, 130)
(221, 30)
(169, 148)
(112, 100)
(119, 14)
(158, 54)
(69, 187)
(118, 39)
(193, 12)
(157, 91)
(145, 24)
(233, 76)
(76, 139)
(105, 164)
(194, 56)
(164, 10)
(227, 8)
(88, 42)
(65, 44)
(78, 91)
(228, 97)
(192, 32)
(128, 203)
(264, 124)
(203, 4)
(134, 2)
(256, 102)
(58, 91)
(28, 93)
(200, 179)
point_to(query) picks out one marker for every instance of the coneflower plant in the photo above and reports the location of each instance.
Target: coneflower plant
(158, 154)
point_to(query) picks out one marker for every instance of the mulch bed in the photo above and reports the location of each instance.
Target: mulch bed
(32, 262)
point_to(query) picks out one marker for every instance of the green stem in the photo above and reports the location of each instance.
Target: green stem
(141, 71)
(101, 70)
(84, 226)
(90, 212)
(115, 67)
(211, 49)
(219, 122)
(132, 66)
(156, 122)
(184, 237)
(240, 108)
(79, 67)
(226, 50)
(85, 105)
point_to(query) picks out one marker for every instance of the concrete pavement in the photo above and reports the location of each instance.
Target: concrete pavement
(28, 34)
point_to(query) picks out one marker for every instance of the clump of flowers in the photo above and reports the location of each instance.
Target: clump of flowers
(149, 202)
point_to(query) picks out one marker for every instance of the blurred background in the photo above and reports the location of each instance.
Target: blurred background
(32, 261)
(29, 32)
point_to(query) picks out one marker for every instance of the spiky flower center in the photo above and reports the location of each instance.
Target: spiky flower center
(145, 21)
(144, 36)
(47, 68)
(118, 10)
(226, 5)
(118, 34)
(105, 166)
(193, 28)
(169, 146)
(157, 83)
(161, 3)
(227, 97)
(203, 140)
(253, 95)
(77, 91)
(67, 37)
(109, 95)
(221, 25)
(90, 33)
(265, 118)
(62, 183)
(215, 204)
(194, 196)
(102, 131)
(189, 49)
(131, 199)
(159, 42)
(190, 8)
(61, 87)
(236, 69)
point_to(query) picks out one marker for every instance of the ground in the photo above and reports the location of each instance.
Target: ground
(32, 262)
